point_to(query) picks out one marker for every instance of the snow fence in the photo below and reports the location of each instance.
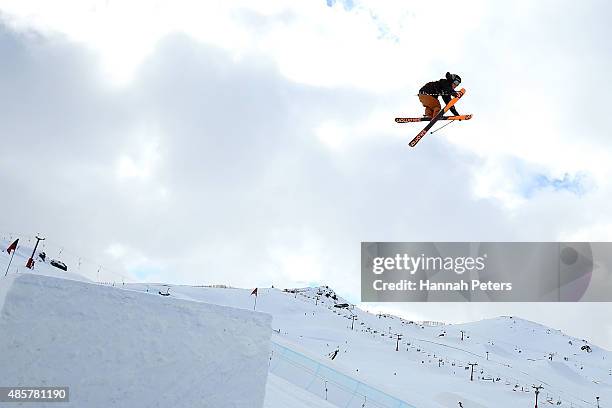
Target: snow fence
(327, 383)
(120, 348)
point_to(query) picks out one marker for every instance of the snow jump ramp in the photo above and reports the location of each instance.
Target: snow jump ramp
(120, 348)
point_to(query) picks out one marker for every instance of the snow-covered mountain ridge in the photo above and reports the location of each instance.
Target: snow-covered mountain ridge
(423, 364)
(511, 354)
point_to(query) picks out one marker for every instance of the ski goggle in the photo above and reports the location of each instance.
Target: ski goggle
(456, 82)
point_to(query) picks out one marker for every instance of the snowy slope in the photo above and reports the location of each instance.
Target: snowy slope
(119, 348)
(431, 367)
(281, 394)
(518, 351)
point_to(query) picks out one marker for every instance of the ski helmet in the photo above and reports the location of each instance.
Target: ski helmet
(454, 78)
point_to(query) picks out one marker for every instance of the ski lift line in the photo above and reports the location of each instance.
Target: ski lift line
(493, 361)
(560, 392)
(551, 387)
(569, 397)
(74, 254)
(572, 398)
(475, 335)
(544, 352)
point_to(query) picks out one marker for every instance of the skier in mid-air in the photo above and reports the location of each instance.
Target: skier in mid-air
(428, 95)
(445, 87)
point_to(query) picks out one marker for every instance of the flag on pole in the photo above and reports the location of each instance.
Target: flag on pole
(254, 292)
(13, 246)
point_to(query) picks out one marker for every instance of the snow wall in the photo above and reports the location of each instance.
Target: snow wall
(119, 348)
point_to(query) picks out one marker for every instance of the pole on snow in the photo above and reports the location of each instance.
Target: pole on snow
(9, 264)
(472, 373)
(30, 263)
(13, 248)
(254, 292)
(399, 337)
(537, 391)
(325, 390)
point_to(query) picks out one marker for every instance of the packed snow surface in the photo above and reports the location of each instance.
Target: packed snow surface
(120, 348)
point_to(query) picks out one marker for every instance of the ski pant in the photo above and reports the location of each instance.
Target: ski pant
(431, 104)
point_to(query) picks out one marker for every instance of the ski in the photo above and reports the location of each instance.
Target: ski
(426, 119)
(436, 118)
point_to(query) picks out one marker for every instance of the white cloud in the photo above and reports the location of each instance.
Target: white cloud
(331, 135)
(271, 116)
(117, 250)
(297, 266)
(594, 232)
(374, 46)
(141, 165)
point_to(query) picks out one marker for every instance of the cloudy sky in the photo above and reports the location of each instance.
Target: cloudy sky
(253, 143)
